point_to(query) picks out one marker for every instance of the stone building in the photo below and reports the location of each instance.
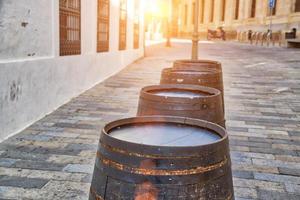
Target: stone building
(53, 50)
(235, 15)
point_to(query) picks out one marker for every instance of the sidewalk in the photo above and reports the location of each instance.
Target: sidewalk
(54, 158)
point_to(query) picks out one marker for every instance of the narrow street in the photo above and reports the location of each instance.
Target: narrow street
(54, 157)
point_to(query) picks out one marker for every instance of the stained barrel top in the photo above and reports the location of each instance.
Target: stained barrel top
(164, 134)
(179, 93)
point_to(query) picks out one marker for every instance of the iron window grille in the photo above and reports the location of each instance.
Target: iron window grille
(212, 11)
(70, 27)
(297, 6)
(237, 9)
(123, 25)
(136, 26)
(103, 26)
(253, 9)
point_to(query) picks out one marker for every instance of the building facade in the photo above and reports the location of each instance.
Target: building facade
(53, 50)
(235, 15)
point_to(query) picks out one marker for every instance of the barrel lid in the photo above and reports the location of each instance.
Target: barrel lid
(180, 92)
(164, 134)
(213, 146)
(193, 71)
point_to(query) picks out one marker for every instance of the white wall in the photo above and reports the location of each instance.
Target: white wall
(24, 28)
(32, 86)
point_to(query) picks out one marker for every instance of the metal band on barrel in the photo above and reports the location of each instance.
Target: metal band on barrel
(157, 172)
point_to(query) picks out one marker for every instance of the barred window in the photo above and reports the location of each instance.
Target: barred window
(193, 12)
(185, 14)
(253, 9)
(274, 10)
(223, 10)
(69, 22)
(123, 24)
(103, 26)
(202, 12)
(136, 25)
(237, 9)
(212, 11)
(297, 6)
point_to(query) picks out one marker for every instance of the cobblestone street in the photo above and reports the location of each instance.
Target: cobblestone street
(54, 157)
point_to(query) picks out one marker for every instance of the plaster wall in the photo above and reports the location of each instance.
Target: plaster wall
(24, 28)
(32, 86)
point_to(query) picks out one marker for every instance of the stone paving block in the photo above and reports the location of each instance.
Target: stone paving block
(242, 174)
(53, 151)
(254, 168)
(246, 193)
(66, 159)
(37, 137)
(263, 194)
(22, 182)
(24, 155)
(14, 193)
(272, 151)
(252, 155)
(27, 164)
(7, 162)
(294, 133)
(65, 190)
(289, 147)
(277, 178)
(288, 158)
(292, 188)
(289, 171)
(82, 147)
(76, 126)
(59, 134)
(242, 160)
(261, 184)
(78, 168)
(55, 175)
(239, 148)
(250, 144)
(276, 163)
(17, 172)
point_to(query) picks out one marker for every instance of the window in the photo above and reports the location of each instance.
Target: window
(212, 11)
(274, 9)
(123, 24)
(69, 27)
(103, 26)
(193, 13)
(223, 10)
(237, 8)
(185, 14)
(136, 25)
(253, 9)
(297, 6)
(202, 12)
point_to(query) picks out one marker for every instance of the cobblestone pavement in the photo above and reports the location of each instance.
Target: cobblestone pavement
(54, 158)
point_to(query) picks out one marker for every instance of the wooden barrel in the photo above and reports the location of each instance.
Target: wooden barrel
(162, 158)
(182, 100)
(203, 77)
(195, 65)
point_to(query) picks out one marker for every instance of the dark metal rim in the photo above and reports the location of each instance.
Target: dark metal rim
(195, 65)
(186, 61)
(211, 73)
(161, 150)
(212, 92)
